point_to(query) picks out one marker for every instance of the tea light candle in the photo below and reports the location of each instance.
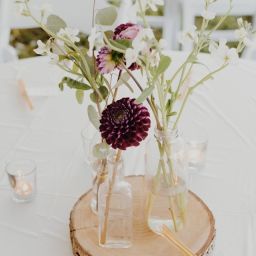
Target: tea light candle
(23, 188)
(197, 155)
(22, 179)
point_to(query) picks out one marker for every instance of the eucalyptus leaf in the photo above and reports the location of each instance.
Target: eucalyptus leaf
(73, 84)
(75, 68)
(106, 16)
(55, 23)
(164, 63)
(147, 92)
(103, 92)
(80, 96)
(101, 150)
(93, 116)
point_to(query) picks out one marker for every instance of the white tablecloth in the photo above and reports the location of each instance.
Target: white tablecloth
(225, 106)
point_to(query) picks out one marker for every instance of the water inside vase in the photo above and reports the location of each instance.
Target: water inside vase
(168, 207)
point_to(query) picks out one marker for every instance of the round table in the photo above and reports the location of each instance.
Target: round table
(50, 135)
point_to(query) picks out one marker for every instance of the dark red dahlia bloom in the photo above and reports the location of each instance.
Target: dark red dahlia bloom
(124, 123)
(126, 31)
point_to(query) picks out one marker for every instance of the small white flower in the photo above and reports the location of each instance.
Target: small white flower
(127, 12)
(232, 56)
(245, 33)
(208, 15)
(142, 42)
(95, 40)
(152, 4)
(223, 52)
(43, 48)
(71, 34)
(189, 35)
(240, 22)
(131, 56)
(154, 58)
(241, 33)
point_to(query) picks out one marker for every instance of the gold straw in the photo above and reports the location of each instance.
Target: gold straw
(24, 94)
(169, 236)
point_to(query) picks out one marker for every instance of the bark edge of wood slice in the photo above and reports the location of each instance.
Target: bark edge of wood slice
(198, 233)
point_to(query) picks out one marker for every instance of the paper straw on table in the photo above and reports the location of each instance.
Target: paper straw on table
(169, 236)
(24, 94)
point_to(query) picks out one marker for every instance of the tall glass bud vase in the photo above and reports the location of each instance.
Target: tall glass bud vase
(95, 155)
(166, 181)
(115, 208)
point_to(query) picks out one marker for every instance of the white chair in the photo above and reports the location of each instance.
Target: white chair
(170, 22)
(193, 8)
(249, 53)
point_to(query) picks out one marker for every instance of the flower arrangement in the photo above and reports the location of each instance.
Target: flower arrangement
(121, 57)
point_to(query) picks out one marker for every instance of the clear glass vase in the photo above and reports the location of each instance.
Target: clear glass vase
(98, 165)
(115, 208)
(166, 179)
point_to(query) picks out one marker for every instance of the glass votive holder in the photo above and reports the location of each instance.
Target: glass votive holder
(197, 144)
(22, 179)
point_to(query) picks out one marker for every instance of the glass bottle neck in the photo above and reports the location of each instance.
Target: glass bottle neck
(169, 134)
(116, 167)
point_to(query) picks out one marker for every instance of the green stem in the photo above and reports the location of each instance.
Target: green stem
(143, 16)
(114, 48)
(141, 89)
(191, 89)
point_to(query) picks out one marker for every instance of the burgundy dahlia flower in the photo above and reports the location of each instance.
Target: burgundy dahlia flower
(126, 31)
(124, 123)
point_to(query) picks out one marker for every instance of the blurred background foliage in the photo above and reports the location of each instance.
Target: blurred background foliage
(24, 40)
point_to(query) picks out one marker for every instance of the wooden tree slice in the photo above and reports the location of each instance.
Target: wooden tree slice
(198, 233)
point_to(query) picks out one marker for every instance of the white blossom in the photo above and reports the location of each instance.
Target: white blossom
(153, 58)
(131, 56)
(71, 34)
(240, 22)
(43, 48)
(189, 35)
(208, 15)
(127, 12)
(152, 4)
(245, 33)
(95, 40)
(142, 42)
(223, 52)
